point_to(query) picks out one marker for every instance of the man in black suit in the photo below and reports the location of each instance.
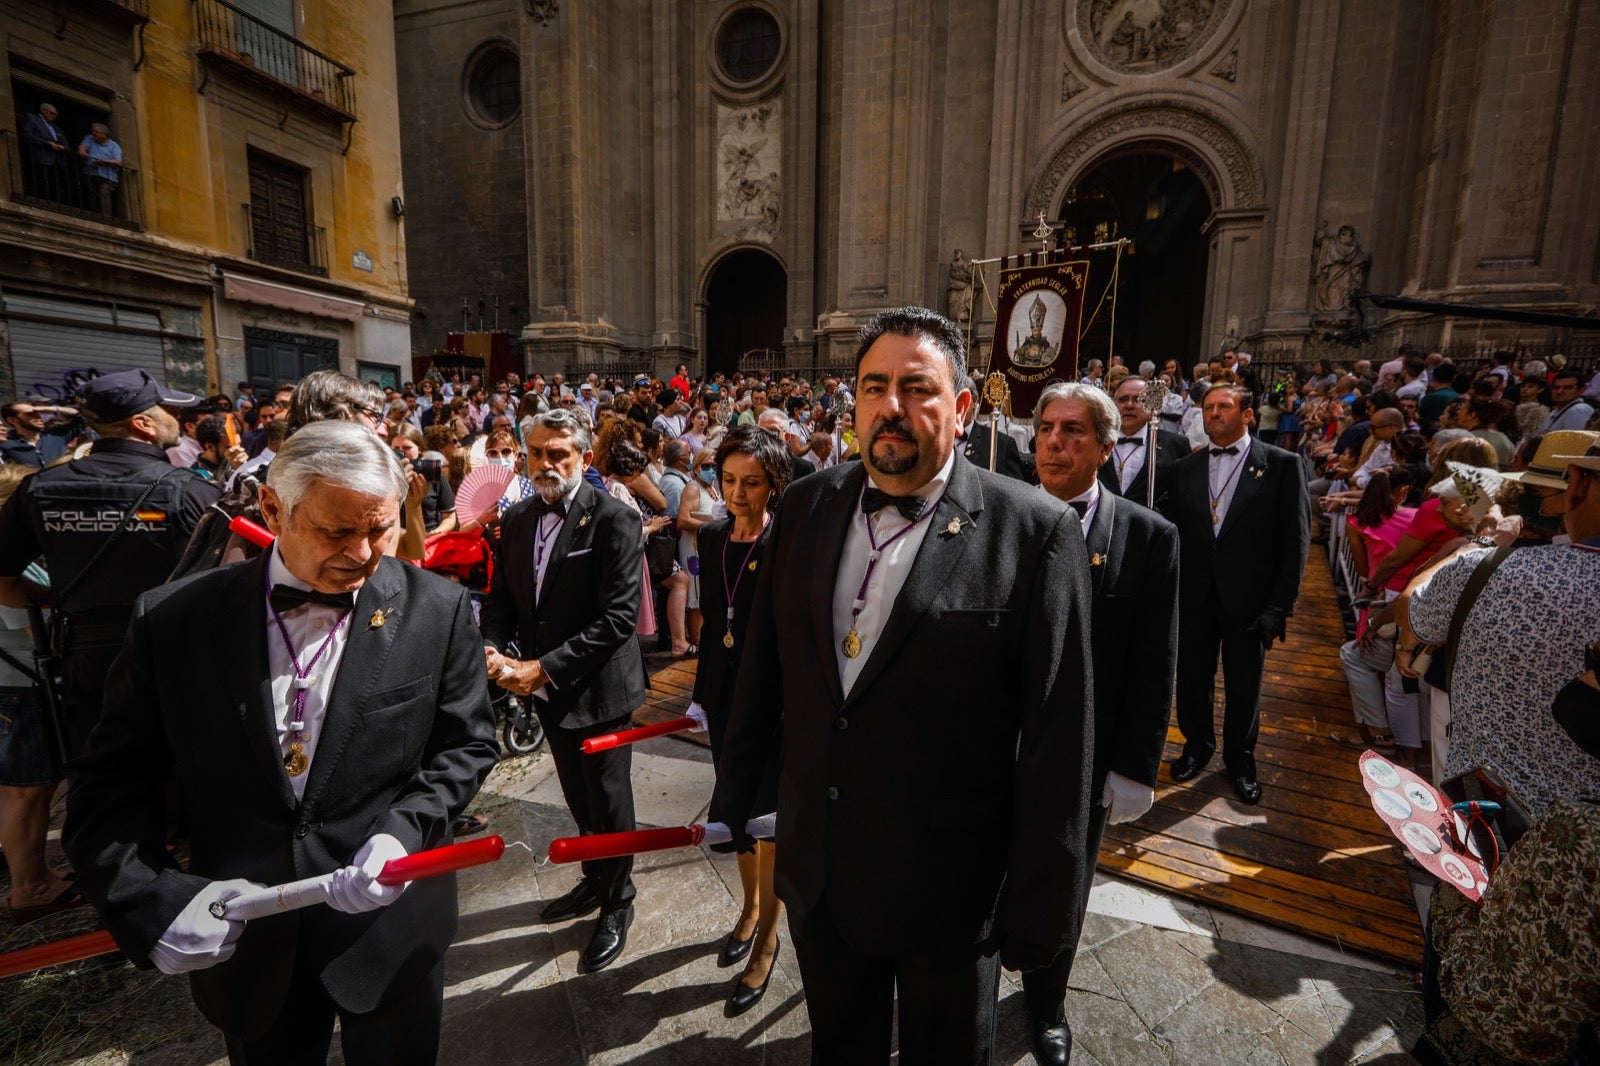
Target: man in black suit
(974, 445)
(1243, 521)
(1126, 470)
(566, 591)
(1133, 576)
(903, 601)
(332, 718)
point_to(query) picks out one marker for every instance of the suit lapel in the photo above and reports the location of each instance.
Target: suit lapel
(1098, 542)
(366, 649)
(241, 638)
(834, 512)
(939, 556)
(577, 517)
(1255, 466)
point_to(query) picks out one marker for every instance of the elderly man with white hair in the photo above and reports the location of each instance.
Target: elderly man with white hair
(319, 709)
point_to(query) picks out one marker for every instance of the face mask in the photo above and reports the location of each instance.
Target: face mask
(805, 416)
(1529, 506)
(708, 477)
(509, 464)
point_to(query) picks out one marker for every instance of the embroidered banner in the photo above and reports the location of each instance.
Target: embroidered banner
(1038, 314)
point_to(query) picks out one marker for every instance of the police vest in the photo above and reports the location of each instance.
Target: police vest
(74, 513)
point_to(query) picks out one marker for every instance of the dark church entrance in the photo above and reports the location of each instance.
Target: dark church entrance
(1160, 204)
(746, 306)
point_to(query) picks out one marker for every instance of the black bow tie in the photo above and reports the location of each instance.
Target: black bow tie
(1232, 449)
(1130, 440)
(1081, 506)
(286, 598)
(541, 507)
(875, 500)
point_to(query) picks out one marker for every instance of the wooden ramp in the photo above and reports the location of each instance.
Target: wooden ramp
(1312, 856)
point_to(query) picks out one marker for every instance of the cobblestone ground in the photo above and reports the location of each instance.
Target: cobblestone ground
(1157, 981)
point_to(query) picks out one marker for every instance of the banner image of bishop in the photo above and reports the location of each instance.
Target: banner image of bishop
(1038, 316)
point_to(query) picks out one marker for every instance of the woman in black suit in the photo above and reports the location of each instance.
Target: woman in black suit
(753, 468)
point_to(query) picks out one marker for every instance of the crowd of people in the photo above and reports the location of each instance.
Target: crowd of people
(824, 553)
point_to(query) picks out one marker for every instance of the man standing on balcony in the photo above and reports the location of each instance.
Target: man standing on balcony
(103, 164)
(45, 149)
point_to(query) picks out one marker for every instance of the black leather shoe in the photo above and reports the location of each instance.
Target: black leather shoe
(1052, 1043)
(744, 997)
(610, 937)
(1249, 791)
(734, 950)
(575, 904)
(1186, 766)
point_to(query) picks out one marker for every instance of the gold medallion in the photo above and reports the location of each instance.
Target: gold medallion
(378, 619)
(295, 762)
(852, 644)
(727, 640)
(752, 566)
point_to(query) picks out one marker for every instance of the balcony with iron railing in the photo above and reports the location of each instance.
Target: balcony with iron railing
(63, 182)
(234, 40)
(291, 247)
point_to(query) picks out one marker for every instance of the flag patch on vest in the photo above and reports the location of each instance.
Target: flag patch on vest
(150, 516)
(107, 521)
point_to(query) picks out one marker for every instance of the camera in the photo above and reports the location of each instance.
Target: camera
(432, 469)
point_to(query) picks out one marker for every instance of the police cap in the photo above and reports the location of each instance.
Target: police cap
(113, 397)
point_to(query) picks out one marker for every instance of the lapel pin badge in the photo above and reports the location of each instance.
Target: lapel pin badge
(1097, 559)
(379, 617)
(954, 528)
(1260, 471)
(583, 521)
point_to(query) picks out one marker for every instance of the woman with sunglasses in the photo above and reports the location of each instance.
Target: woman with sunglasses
(752, 468)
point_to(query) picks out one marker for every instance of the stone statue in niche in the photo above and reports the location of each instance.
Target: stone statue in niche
(958, 297)
(751, 188)
(1143, 32)
(1339, 267)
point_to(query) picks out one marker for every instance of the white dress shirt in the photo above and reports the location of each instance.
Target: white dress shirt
(1128, 459)
(1224, 473)
(888, 577)
(1091, 502)
(308, 627)
(549, 528)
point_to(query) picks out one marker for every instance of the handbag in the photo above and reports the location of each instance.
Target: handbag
(1492, 832)
(661, 554)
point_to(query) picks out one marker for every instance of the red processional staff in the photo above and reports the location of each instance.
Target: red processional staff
(270, 900)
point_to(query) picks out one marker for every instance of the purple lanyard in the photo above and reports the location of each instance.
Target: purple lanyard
(731, 588)
(1216, 497)
(876, 553)
(541, 538)
(302, 675)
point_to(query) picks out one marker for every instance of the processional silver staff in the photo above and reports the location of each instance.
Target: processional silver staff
(1152, 399)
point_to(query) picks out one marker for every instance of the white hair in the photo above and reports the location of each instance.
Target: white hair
(1146, 368)
(343, 454)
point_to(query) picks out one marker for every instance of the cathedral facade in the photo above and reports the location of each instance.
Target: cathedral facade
(734, 183)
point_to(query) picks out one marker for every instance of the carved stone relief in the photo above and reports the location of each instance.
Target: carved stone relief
(1166, 127)
(543, 10)
(1071, 85)
(749, 155)
(1228, 69)
(1143, 36)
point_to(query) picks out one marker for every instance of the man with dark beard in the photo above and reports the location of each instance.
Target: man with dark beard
(883, 582)
(560, 625)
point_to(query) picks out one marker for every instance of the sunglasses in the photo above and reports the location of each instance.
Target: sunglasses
(708, 466)
(500, 453)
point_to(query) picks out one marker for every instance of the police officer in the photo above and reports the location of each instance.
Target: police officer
(110, 526)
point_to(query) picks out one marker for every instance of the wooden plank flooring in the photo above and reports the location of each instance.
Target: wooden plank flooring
(1311, 857)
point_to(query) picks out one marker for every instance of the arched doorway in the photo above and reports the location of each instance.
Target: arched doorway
(745, 309)
(1158, 202)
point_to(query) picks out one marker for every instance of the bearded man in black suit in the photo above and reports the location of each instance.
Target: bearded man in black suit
(1126, 469)
(1133, 575)
(953, 602)
(567, 587)
(321, 708)
(1243, 522)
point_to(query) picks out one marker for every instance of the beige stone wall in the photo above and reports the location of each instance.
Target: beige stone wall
(1453, 136)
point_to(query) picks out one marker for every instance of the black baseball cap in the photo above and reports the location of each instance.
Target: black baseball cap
(113, 397)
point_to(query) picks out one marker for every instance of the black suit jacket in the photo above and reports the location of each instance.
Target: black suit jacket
(583, 628)
(408, 738)
(923, 844)
(1257, 558)
(1009, 459)
(1170, 447)
(1133, 574)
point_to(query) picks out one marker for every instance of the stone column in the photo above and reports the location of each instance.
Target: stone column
(1233, 271)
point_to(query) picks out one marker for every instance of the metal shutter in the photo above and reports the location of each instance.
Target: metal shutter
(49, 359)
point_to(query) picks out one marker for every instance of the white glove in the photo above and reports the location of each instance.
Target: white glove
(195, 940)
(698, 713)
(1125, 800)
(355, 889)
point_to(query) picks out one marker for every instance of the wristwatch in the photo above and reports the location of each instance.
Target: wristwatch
(1485, 541)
